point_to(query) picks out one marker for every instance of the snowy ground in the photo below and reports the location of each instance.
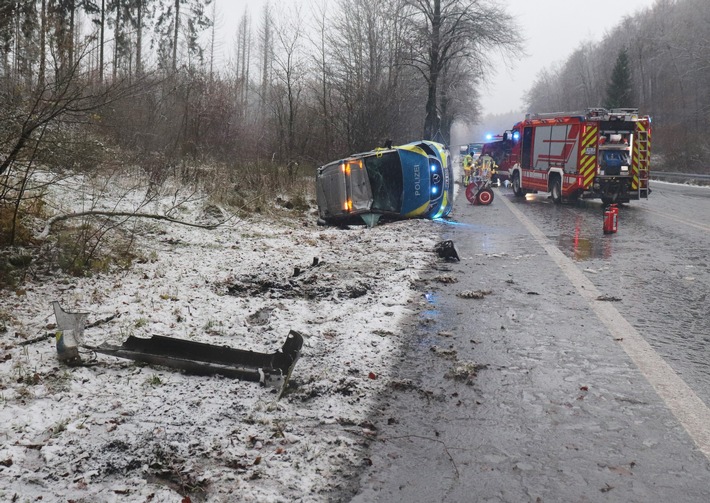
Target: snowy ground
(122, 431)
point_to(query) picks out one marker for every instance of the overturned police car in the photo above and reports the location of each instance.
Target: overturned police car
(408, 181)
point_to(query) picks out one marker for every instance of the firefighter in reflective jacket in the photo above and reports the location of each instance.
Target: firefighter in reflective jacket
(467, 168)
(485, 167)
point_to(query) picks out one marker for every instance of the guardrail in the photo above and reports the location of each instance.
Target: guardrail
(681, 177)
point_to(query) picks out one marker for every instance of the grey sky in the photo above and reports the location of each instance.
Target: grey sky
(552, 29)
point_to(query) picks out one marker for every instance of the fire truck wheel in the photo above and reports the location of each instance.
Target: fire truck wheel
(556, 190)
(485, 196)
(517, 189)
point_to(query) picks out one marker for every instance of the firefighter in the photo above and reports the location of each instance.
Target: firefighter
(485, 167)
(467, 168)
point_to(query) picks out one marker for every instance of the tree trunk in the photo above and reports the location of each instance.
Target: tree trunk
(139, 38)
(116, 38)
(42, 46)
(265, 55)
(431, 121)
(175, 33)
(70, 35)
(101, 42)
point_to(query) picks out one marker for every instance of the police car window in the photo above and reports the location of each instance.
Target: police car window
(385, 175)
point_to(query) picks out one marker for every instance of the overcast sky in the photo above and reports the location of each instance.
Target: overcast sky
(552, 29)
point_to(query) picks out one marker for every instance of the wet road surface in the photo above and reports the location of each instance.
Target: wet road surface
(657, 264)
(524, 394)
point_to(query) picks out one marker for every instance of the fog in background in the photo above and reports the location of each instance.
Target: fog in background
(552, 29)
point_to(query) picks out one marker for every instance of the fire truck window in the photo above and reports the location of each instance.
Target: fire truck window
(527, 150)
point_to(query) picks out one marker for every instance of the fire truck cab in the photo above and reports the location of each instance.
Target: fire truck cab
(598, 153)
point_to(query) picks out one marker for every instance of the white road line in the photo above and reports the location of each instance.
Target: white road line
(682, 401)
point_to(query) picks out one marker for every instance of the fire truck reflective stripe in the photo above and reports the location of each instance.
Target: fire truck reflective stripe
(637, 156)
(640, 160)
(587, 169)
(590, 136)
(588, 161)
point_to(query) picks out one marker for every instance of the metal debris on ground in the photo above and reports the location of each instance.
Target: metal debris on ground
(447, 251)
(474, 294)
(608, 298)
(70, 333)
(192, 357)
(208, 359)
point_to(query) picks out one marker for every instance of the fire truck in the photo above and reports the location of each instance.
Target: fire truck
(595, 154)
(500, 151)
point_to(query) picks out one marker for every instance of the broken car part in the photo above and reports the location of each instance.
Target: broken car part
(447, 251)
(207, 359)
(193, 357)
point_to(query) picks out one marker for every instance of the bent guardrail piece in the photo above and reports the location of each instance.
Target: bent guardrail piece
(70, 333)
(193, 357)
(207, 359)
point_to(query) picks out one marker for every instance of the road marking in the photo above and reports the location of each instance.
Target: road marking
(679, 220)
(682, 401)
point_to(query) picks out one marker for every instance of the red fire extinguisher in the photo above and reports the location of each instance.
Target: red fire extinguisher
(611, 217)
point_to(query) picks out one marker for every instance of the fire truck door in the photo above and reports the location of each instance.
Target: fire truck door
(526, 160)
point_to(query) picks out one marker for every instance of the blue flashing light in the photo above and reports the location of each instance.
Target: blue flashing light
(434, 190)
(489, 136)
(433, 167)
(516, 135)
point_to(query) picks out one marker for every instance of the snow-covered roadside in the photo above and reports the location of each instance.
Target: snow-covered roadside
(121, 431)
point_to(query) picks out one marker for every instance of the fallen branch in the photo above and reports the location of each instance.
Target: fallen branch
(102, 321)
(36, 339)
(128, 214)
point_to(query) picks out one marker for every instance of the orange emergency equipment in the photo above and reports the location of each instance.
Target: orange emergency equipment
(611, 219)
(595, 154)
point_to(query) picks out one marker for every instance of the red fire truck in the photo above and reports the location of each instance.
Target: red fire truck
(598, 153)
(500, 151)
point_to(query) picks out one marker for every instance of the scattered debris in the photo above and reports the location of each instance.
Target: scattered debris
(464, 371)
(447, 251)
(608, 298)
(450, 354)
(446, 278)
(310, 283)
(474, 294)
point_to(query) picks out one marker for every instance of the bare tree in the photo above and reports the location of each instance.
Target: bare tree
(289, 66)
(445, 31)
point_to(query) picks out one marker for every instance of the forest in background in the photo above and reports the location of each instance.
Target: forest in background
(304, 84)
(661, 60)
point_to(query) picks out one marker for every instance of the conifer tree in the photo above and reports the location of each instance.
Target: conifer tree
(618, 91)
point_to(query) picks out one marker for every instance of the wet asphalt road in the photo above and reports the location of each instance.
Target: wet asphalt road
(524, 395)
(658, 265)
